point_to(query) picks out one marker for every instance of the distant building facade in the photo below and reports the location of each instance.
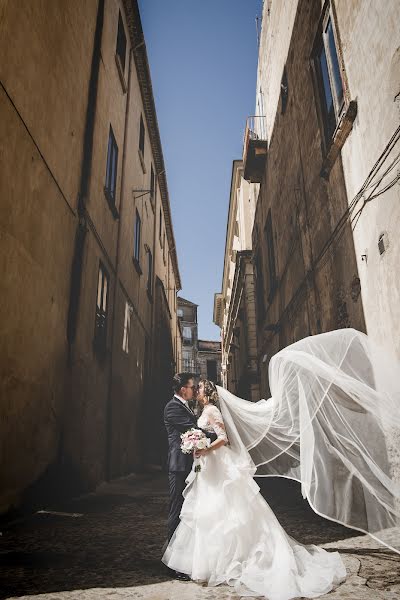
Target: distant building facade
(209, 360)
(234, 306)
(200, 357)
(322, 149)
(90, 336)
(187, 315)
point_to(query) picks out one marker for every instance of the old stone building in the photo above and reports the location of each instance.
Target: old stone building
(90, 337)
(209, 360)
(187, 315)
(308, 268)
(304, 278)
(309, 264)
(322, 152)
(200, 357)
(234, 306)
(369, 45)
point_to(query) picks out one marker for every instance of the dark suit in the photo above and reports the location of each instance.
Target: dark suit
(178, 418)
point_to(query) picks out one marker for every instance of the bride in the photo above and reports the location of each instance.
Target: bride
(335, 399)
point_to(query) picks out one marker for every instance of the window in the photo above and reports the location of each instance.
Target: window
(187, 333)
(271, 257)
(382, 243)
(160, 230)
(152, 185)
(138, 227)
(127, 327)
(212, 370)
(149, 273)
(163, 247)
(141, 143)
(328, 76)
(188, 363)
(111, 169)
(141, 136)
(121, 42)
(179, 312)
(100, 328)
(334, 68)
(259, 287)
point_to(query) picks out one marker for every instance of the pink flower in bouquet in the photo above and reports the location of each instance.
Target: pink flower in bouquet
(194, 439)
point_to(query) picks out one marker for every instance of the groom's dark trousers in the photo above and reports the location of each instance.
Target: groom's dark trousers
(178, 418)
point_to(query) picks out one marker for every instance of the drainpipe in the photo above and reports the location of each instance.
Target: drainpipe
(109, 412)
(153, 308)
(81, 231)
(153, 282)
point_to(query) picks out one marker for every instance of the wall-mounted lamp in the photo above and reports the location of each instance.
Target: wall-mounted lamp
(141, 192)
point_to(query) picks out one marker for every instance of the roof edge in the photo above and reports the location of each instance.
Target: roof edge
(146, 89)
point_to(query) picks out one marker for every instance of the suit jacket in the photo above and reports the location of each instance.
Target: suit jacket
(178, 418)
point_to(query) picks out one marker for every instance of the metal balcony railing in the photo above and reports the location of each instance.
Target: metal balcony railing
(190, 366)
(256, 128)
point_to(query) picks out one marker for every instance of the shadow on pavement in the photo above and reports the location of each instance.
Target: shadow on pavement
(117, 540)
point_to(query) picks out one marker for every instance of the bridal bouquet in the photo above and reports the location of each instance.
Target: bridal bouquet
(192, 440)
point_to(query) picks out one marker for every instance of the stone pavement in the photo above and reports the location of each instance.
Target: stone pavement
(107, 546)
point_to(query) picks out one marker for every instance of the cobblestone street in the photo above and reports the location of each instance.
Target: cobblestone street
(111, 548)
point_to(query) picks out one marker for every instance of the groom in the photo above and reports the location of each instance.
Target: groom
(178, 418)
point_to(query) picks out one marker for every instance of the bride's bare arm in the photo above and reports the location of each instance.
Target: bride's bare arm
(217, 423)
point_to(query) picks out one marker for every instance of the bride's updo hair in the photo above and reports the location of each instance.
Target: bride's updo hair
(210, 391)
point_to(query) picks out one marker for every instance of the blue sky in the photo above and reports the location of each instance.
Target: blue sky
(203, 60)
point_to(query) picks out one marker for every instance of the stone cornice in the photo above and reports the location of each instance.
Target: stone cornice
(184, 302)
(236, 166)
(144, 78)
(237, 290)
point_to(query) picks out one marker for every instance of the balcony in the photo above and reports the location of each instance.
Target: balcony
(190, 366)
(255, 147)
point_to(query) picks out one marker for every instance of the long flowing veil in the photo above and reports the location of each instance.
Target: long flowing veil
(331, 424)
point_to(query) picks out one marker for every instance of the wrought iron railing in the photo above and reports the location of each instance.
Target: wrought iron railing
(256, 129)
(190, 365)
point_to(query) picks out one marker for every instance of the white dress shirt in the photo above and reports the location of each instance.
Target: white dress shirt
(185, 402)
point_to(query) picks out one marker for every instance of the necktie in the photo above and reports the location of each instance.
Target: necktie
(188, 407)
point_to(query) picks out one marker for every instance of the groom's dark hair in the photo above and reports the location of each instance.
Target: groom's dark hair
(180, 380)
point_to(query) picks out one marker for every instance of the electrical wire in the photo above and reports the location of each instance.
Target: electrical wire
(351, 216)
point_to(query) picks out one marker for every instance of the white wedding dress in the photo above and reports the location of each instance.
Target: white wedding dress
(229, 534)
(329, 424)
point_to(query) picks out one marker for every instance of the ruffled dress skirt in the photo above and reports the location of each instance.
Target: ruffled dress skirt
(228, 534)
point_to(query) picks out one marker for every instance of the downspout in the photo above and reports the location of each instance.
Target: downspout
(109, 427)
(81, 231)
(153, 282)
(151, 345)
(156, 211)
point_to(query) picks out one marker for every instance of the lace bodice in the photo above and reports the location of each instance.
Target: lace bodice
(211, 420)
